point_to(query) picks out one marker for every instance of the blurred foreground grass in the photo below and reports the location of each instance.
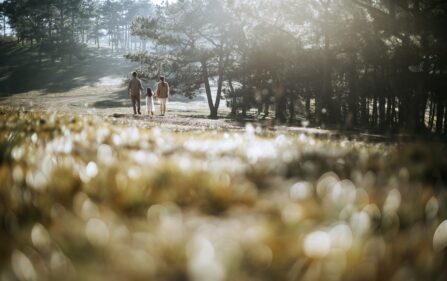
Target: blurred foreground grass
(82, 198)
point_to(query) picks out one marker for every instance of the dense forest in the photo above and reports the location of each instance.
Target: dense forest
(63, 27)
(376, 64)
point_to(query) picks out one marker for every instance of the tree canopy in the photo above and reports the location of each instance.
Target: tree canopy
(376, 64)
(61, 27)
(353, 63)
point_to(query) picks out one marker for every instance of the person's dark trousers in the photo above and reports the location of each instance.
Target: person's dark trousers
(136, 101)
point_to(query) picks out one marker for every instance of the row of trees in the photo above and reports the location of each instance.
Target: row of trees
(375, 63)
(62, 27)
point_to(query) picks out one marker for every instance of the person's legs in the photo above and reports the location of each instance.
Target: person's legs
(138, 104)
(163, 106)
(133, 104)
(160, 100)
(150, 105)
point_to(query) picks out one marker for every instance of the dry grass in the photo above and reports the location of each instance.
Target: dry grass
(102, 198)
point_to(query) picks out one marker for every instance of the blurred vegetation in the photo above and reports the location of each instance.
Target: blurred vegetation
(82, 198)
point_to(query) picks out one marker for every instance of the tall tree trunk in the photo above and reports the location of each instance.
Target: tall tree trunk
(233, 98)
(382, 121)
(389, 110)
(292, 109)
(61, 28)
(394, 114)
(266, 108)
(329, 116)
(281, 103)
(72, 39)
(318, 106)
(364, 110)
(97, 31)
(423, 106)
(223, 60)
(439, 115)
(219, 91)
(126, 37)
(374, 111)
(404, 106)
(260, 106)
(308, 107)
(423, 109)
(445, 119)
(326, 92)
(431, 115)
(353, 103)
(209, 97)
(280, 109)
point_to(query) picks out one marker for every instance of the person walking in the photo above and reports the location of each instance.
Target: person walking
(163, 94)
(135, 91)
(149, 101)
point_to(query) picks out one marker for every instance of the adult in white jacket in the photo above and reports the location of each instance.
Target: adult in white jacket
(163, 94)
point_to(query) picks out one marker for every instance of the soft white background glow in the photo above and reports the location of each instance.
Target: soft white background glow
(158, 2)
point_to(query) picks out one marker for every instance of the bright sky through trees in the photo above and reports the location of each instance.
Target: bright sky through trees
(158, 2)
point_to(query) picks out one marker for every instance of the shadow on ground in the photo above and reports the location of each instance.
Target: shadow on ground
(21, 69)
(114, 100)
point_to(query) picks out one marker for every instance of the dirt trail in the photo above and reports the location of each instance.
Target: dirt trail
(109, 99)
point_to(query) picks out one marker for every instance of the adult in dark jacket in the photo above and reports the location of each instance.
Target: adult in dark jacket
(135, 90)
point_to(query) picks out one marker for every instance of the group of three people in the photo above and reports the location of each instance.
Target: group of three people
(135, 91)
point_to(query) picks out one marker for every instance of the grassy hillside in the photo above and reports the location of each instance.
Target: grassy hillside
(23, 70)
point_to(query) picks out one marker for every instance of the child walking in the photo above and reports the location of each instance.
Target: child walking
(149, 101)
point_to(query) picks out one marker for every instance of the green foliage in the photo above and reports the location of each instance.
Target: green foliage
(57, 26)
(359, 63)
(194, 41)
